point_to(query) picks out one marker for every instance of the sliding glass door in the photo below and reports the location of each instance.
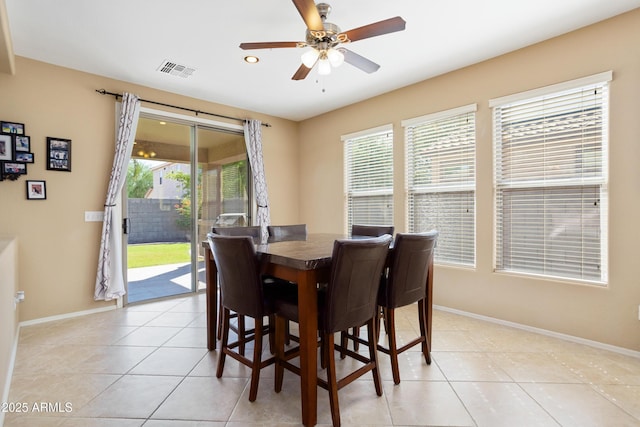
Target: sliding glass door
(223, 182)
(184, 177)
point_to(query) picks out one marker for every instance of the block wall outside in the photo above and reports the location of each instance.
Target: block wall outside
(155, 220)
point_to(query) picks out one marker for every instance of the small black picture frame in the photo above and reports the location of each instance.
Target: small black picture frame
(24, 157)
(6, 148)
(36, 190)
(12, 128)
(13, 168)
(23, 143)
(58, 154)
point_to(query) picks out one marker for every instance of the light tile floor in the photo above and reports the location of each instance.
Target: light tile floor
(147, 365)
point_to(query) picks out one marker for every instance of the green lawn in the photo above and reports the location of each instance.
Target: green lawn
(157, 254)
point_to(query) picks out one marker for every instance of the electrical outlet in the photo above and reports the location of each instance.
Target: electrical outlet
(93, 216)
(18, 299)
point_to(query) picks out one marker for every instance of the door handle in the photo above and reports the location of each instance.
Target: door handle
(126, 225)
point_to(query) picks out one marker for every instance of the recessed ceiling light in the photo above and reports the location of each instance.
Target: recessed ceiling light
(251, 59)
(163, 123)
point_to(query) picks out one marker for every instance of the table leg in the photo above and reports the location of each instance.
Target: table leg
(308, 299)
(211, 273)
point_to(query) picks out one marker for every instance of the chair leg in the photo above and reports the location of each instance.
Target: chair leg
(323, 353)
(225, 341)
(272, 333)
(332, 382)
(343, 343)
(356, 333)
(241, 333)
(373, 355)
(344, 340)
(422, 319)
(380, 315)
(393, 346)
(220, 310)
(280, 325)
(257, 358)
(287, 335)
(383, 313)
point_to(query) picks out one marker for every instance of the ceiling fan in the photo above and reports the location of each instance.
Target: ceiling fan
(325, 38)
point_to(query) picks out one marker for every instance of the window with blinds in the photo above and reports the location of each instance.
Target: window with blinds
(369, 177)
(441, 181)
(551, 180)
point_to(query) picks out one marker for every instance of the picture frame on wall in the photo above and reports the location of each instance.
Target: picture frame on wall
(58, 154)
(6, 148)
(12, 127)
(23, 143)
(13, 168)
(24, 157)
(36, 190)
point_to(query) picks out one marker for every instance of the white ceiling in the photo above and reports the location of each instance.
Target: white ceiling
(129, 39)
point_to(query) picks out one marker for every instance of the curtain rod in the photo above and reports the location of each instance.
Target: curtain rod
(117, 95)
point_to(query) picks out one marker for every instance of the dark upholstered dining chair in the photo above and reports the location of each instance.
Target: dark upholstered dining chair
(360, 230)
(371, 230)
(243, 291)
(349, 299)
(283, 232)
(254, 232)
(406, 283)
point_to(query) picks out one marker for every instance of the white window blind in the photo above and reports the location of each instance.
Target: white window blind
(369, 177)
(551, 182)
(440, 157)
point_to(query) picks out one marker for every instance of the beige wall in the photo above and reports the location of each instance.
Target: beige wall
(605, 314)
(8, 311)
(58, 251)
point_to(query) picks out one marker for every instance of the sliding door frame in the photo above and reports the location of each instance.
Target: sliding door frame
(194, 123)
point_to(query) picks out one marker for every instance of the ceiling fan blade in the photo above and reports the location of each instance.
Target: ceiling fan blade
(309, 13)
(267, 45)
(387, 26)
(359, 61)
(301, 73)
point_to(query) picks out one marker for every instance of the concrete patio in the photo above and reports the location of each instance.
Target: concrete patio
(146, 283)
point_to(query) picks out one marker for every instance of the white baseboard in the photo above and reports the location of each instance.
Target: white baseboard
(565, 337)
(7, 385)
(67, 315)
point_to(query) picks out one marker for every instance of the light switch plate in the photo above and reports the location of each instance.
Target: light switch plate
(93, 216)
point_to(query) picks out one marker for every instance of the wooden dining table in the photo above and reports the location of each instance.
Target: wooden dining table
(305, 260)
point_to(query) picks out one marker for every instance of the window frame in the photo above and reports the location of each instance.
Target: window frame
(348, 139)
(445, 187)
(546, 186)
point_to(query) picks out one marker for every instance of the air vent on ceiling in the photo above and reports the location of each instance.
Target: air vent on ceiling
(170, 67)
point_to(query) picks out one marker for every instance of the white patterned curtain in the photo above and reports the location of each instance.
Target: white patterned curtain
(253, 139)
(110, 277)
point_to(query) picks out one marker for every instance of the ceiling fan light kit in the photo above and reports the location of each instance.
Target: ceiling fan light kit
(310, 57)
(324, 67)
(323, 38)
(335, 57)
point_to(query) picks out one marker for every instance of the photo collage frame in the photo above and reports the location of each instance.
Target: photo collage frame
(16, 154)
(15, 150)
